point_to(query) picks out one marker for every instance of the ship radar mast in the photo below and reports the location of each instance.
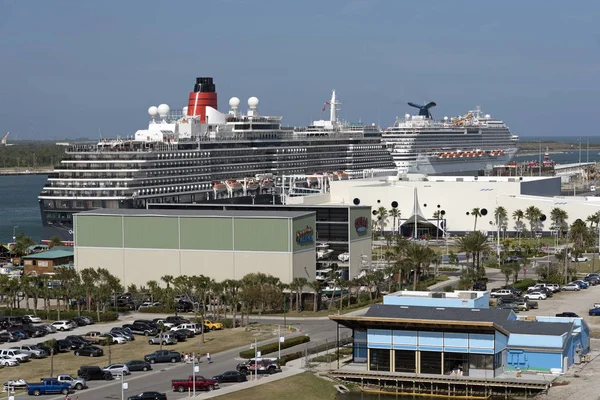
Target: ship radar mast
(333, 108)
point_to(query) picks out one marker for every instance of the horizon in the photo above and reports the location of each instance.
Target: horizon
(92, 69)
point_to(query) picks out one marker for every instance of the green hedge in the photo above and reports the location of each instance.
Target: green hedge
(289, 357)
(273, 347)
(524, 284)
(53, 314)
(156, 310)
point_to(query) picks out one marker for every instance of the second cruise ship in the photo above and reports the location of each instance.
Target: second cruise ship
(467, 143)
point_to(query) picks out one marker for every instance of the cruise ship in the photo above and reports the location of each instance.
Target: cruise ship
(467, 143)
(200, 154)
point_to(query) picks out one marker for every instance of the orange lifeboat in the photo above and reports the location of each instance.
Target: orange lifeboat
(252, 184)
(481, 154)
(219, 187)
(342, 176)
(501, 152)
(233, 185)
(266, 183)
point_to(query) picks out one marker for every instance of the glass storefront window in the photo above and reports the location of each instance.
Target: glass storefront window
(481, 361)
(431, 362)
(379, 360)
(405, 361)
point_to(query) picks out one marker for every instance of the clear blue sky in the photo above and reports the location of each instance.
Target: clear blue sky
(71, 67)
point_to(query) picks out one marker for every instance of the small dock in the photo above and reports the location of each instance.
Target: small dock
(507, 385)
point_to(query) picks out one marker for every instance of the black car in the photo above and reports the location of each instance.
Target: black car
(90, 351)
(184, 306)
(148, 396)
(48, 349)
(517, 292)
(163, 356)
(230, 376)
(567, 314)
(77, 339)
(177, 320)
(8, 337)
(180, 335)
(80, 321)
(138, 365)
(93, 372)
(34, 331)
(141, 329)
(69, 345)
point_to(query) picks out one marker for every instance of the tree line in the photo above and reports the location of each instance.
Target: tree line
(31, 155)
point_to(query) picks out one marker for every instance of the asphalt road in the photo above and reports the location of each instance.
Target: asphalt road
(160, 378)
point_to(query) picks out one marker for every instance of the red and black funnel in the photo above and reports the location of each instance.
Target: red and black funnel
(204, 95)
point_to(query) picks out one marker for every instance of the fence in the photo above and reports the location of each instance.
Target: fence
(327, 348)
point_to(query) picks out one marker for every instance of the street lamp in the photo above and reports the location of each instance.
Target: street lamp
(15, 233)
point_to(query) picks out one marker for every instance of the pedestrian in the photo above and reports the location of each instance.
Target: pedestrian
(186, 358)
(208, 358)
(199, 358)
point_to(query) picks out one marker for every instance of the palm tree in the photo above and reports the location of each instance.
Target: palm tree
(382, 216)
(476, 212)
(437, 215)
(299, 284)
(578, 234)
(501, 218)
(22, 243)
(558, 216)
(474, 243)
(419, 256)
(395, 214)
(55, 241)
(533, 214)
(316, 288)
(518, 215)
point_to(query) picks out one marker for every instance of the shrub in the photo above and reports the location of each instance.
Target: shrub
(289, 357)
(156, 310)
(53, 314)
(524, 284)
(273, 347)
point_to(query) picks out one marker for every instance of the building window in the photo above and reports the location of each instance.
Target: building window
(457, 363)
(498, 360)
(379, 360)
(431, 362)
(404, 361)
(360, 346)
(481, 361)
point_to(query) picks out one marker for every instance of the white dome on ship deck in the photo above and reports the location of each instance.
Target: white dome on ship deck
(184, 111)
(163, 110)
(153, 111)
(407, 116)
(234, 102)
(253, 102)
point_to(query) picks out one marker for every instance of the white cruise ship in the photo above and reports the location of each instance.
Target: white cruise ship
(467, 143)
(200, 154)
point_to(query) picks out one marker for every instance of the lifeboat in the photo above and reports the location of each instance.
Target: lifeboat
(266, 183)
(312, 180)
(481, 154)
(252, 184)
(461, 155)
(501, 152)
(454, 155)
(234, 186)
(442, 155)
(493, 153)
(342, 175)
(219, 187)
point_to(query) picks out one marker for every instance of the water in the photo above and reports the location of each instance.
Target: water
(19, 203)
(374, 396)
(19, 206)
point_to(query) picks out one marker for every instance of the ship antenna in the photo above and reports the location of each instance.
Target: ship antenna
(100, 133)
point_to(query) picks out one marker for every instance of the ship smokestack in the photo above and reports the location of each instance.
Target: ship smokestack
(204, 95)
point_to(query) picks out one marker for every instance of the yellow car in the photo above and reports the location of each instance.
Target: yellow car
(213, 325)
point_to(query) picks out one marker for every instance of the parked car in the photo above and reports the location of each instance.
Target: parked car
(177, 320)
(230, 376)
(18, 354)
(126, 334)
(48, 386)
(182, 334)
(594, 311)
(579, 259)
(165, 338)
(68, 345)
(63, 325)
(9, 337)
(94, 337)
(33, 318)
(568, 314)
(199, 382)
(555, 287)
(196, 328)
(117, 369)
(78, 340)
(148, 304)
(81, 321)
(259, 365)
(535, 296)
(49, 328)
(114, 338)
(161, 356)
(166, 325)
(32, 350)
(93, 373)
(8, 361)
(502, 293)
(592, 280)
(581, 284)
(76, 383)
(141, 329)
(571, 287)
(184, 306)
(213, 325)
(139, 365)
(513, 259)
(148, 396)
(90, 351)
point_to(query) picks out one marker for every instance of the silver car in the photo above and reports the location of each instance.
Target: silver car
(117, 369)
(571, 287)
(165, 338)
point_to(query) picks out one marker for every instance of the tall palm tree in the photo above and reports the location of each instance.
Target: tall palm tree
(533, 214)
(382, 216)
(476, 212)
(395, 214)
(437, 215)
(558, 216)
(501, 218)
(55, 241)
(518, 215)
(474, 243)
(299, 284)
(419, 256)
(316, 288)
(578, 234)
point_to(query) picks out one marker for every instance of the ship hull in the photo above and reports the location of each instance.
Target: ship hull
(448, 166)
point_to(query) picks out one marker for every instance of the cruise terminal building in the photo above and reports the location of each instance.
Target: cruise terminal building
(138, 245)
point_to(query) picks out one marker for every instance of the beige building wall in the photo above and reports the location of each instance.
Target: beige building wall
(108, 258)
(218, 265)
(304, 265)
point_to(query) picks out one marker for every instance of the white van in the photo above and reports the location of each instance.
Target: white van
(196, 328)
(18, 354)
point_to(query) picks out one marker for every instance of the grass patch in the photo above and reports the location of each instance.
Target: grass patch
(68, 363)
(305, 386)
